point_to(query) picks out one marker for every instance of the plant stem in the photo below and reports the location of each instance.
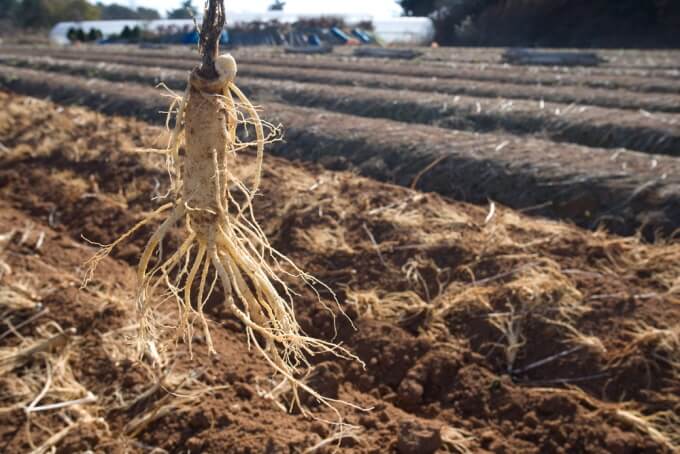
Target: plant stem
(211, 30)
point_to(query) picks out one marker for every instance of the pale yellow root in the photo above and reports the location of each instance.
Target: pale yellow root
(106, 249)
(38, 374)
(222, 234)
(661, 427)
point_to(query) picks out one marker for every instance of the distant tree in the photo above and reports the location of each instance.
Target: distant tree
(278, 5)
(571, 23)
(454, 19)
(94, 34)
(33, 13)
(8, 8)
(135, 33)
(126, 33)
(147, 14)
(71, 34)
(130, 34)
(444, 7)
(418, 7)
(115, 11)
(70, 10)
(186, 11)
(45, 13)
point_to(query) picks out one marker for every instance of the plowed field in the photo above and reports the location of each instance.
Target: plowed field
(492, 326)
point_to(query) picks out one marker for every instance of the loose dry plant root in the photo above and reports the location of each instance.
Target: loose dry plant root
(39, 376)
(221, 233)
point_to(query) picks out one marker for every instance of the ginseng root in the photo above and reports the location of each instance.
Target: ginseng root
(221, 233)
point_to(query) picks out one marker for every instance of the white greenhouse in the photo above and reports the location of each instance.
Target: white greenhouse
(390, 30)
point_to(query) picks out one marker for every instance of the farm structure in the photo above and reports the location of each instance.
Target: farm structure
(389, 30)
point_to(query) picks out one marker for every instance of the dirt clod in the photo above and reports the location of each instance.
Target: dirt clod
(415, 438)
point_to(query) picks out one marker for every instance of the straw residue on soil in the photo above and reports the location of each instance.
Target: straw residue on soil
(481, 329)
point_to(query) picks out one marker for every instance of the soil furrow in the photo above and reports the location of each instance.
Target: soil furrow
(623, 63)
(588, 126)
(621, 190)
(590, 96)
(495, 73)
(615, 59)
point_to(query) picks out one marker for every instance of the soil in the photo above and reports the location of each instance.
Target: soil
(619, 190)
(583, 125)
(659, 102)
(610, 79)
(624, 59)
(431, 287)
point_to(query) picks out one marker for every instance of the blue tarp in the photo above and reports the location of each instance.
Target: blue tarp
(190, 38)
(363, 37)
(314, 40)
(342, 36)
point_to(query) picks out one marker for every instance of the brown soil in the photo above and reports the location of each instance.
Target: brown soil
(620, 190)
(641, 59)
(431, 285)
(644, 65)
(660, 102)
(588, 126)
(492, 73)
